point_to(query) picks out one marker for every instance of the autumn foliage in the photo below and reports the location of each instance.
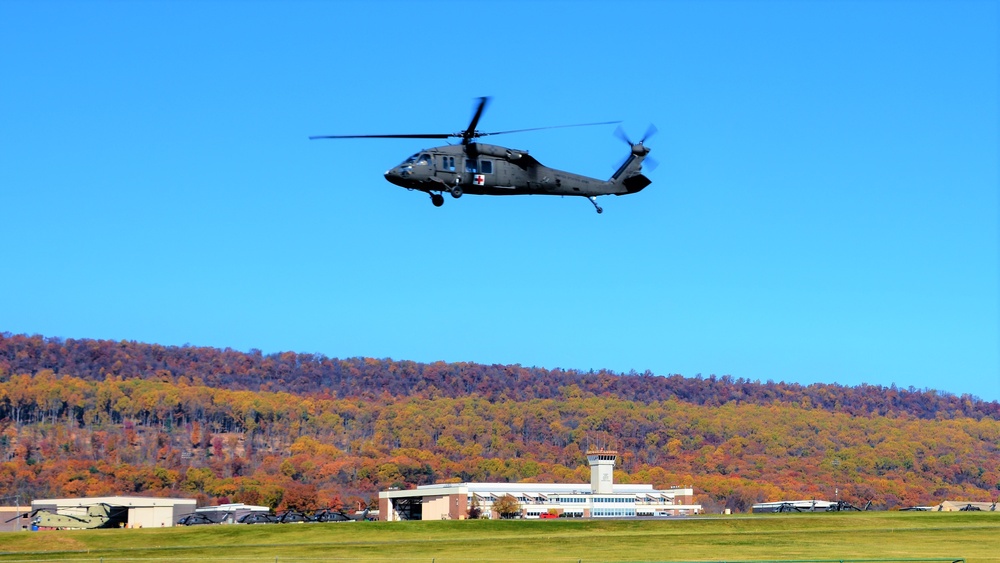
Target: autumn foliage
(88, 417)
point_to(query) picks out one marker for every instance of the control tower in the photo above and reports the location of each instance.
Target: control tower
(602, 465)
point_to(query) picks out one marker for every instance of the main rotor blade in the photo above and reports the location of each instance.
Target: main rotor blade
(471, 131)
(551, 127)
(413, 136)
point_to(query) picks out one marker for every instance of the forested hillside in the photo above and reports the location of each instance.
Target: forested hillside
(87, 417)
(95, 360)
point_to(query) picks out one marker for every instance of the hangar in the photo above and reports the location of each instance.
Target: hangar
(601, 498)
(811, 505)
(143, 512)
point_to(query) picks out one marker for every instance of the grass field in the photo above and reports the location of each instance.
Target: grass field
(837, 536)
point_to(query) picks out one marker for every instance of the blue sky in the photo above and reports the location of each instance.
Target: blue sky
(825, 209)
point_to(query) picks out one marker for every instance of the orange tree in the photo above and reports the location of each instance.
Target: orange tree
(507, 507)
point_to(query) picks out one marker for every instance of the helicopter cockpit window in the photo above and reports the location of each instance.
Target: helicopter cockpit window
(486, 166)
(423, 159)
(470, 165)
(412, 159)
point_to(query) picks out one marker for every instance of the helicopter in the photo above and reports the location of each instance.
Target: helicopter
(100, 515)
(481, 169)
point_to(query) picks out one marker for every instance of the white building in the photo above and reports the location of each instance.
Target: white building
(601, 498)
(230, 513)
(965, 506)
(811, 505)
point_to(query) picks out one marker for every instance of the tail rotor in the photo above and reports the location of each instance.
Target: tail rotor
(639, 148)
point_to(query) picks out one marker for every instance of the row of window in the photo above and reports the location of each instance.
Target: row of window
(553, 500)
(564, 500)
(597, 512)
(448, 163)
(485, 166)
(568, 500)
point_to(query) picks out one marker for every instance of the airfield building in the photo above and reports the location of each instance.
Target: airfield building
(601, 498)
(811, 505)
(143, 512)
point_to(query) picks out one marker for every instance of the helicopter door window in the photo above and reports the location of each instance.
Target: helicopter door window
(486, 166)
(424, 160)
(448, 163)
(470, 165)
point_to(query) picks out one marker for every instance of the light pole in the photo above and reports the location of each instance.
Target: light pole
(17, 507)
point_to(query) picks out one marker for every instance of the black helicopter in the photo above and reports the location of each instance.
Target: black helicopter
(481, 169)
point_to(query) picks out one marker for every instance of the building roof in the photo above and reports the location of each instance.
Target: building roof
(811, 504)
(538, 490)
(114, 501)
(233, 507)
(561, 488)
(958, 505)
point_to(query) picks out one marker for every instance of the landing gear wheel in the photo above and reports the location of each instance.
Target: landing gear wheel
(437, 200)
(593, 200)
(456, 192)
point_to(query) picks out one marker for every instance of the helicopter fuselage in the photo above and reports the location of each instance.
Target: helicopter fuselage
(482, 169)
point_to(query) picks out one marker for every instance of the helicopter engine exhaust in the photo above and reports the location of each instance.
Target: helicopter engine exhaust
(497, 152)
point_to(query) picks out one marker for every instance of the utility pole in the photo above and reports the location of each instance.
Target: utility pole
(17, 506)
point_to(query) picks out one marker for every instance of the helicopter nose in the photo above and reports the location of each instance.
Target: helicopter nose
(394, 177)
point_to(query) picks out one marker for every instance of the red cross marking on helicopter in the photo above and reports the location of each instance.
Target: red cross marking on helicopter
(479, 180)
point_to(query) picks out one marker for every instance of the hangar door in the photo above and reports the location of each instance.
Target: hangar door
(151, 516)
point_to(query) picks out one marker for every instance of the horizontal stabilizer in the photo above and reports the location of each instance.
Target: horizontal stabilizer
(636, 183)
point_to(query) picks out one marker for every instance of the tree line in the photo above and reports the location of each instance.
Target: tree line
(62, 435)
(315, 374)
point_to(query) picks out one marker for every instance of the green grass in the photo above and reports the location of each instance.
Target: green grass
(876, 535)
